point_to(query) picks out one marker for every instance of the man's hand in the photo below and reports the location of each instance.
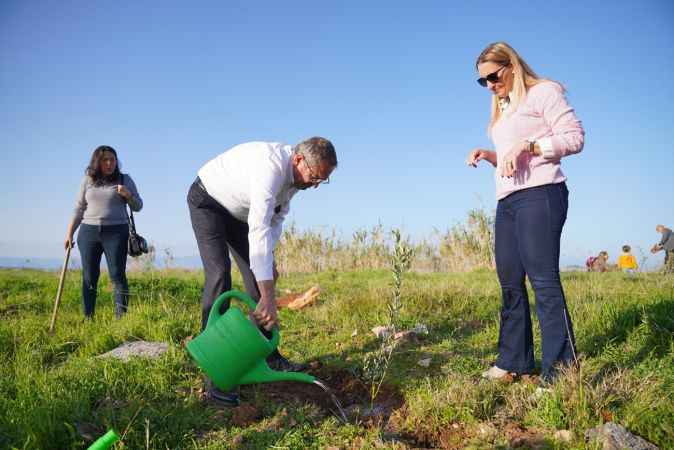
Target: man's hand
(266, 313)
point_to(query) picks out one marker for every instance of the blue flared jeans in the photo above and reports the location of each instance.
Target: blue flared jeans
(528, 230)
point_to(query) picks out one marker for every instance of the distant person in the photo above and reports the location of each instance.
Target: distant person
(237, 205)
(533, 127)
(626, 261)
(598, 263)
(667, 244)
(100, 208)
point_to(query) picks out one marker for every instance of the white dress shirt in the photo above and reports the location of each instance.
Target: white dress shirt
(254, 182)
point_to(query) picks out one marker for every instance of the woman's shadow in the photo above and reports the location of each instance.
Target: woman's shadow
(655, 320)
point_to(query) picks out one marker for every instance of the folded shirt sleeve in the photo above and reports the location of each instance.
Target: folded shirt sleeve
(567, 135)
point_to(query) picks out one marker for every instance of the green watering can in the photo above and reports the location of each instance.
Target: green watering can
(233, 351)
(105, 442)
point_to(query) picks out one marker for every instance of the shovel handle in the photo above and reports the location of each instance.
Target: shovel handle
(59, 291)
(244, 298)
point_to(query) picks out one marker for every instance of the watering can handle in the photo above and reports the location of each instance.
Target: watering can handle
(244, 298)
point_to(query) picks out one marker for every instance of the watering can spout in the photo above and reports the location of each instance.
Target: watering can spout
(261, 373)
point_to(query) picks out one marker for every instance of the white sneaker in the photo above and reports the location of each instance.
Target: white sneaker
(494, 373)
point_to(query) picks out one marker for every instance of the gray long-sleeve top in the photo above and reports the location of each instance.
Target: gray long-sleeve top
(100, 204)
(667, 241)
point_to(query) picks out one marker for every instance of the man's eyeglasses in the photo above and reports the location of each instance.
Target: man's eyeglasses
(492, 77)
(313, 179)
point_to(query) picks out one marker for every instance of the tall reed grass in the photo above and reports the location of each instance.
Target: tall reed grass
(463, 247)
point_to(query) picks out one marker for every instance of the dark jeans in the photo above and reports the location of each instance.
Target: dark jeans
(528, 231)
(217, 233)
(93, 241)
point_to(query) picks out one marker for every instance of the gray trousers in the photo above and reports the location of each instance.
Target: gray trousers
(669, 262)
(218, 234)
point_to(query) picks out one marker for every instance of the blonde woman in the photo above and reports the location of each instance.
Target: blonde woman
(532, 127)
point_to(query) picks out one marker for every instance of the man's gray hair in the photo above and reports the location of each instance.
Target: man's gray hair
(317, 149)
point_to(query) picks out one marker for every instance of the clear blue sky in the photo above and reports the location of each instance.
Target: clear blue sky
(392, 84)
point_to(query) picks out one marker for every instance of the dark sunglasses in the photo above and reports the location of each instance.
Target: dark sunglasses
(492, 77)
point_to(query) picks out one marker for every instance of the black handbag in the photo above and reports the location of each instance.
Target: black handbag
(137, 244)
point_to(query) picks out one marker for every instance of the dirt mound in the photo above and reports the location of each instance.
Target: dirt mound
(350, 390)
(245, 415)
(426, 434)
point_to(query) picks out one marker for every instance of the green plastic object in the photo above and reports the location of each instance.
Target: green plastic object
(105, 442)
(233, 351)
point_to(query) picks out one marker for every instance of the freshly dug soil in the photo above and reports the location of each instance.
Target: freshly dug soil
(348, 388)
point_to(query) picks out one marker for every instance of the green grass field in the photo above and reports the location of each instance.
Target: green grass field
(54, 392)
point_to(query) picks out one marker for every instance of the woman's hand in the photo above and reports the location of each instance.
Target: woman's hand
(70, 232)
(509, 163)
(478, 154)
(123, 191)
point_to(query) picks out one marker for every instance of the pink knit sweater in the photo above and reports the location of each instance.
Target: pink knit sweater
(543, 116)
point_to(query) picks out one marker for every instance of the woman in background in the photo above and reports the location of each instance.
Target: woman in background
(533, 128)
(101, 210)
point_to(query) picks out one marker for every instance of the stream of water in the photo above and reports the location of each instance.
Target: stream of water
(342, 414)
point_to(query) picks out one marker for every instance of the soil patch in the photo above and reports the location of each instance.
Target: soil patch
(454, 437)
(425, 434)
(519, 436)
(245, 415)
(349, 389)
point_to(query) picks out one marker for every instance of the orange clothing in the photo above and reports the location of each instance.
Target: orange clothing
(627, 261)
